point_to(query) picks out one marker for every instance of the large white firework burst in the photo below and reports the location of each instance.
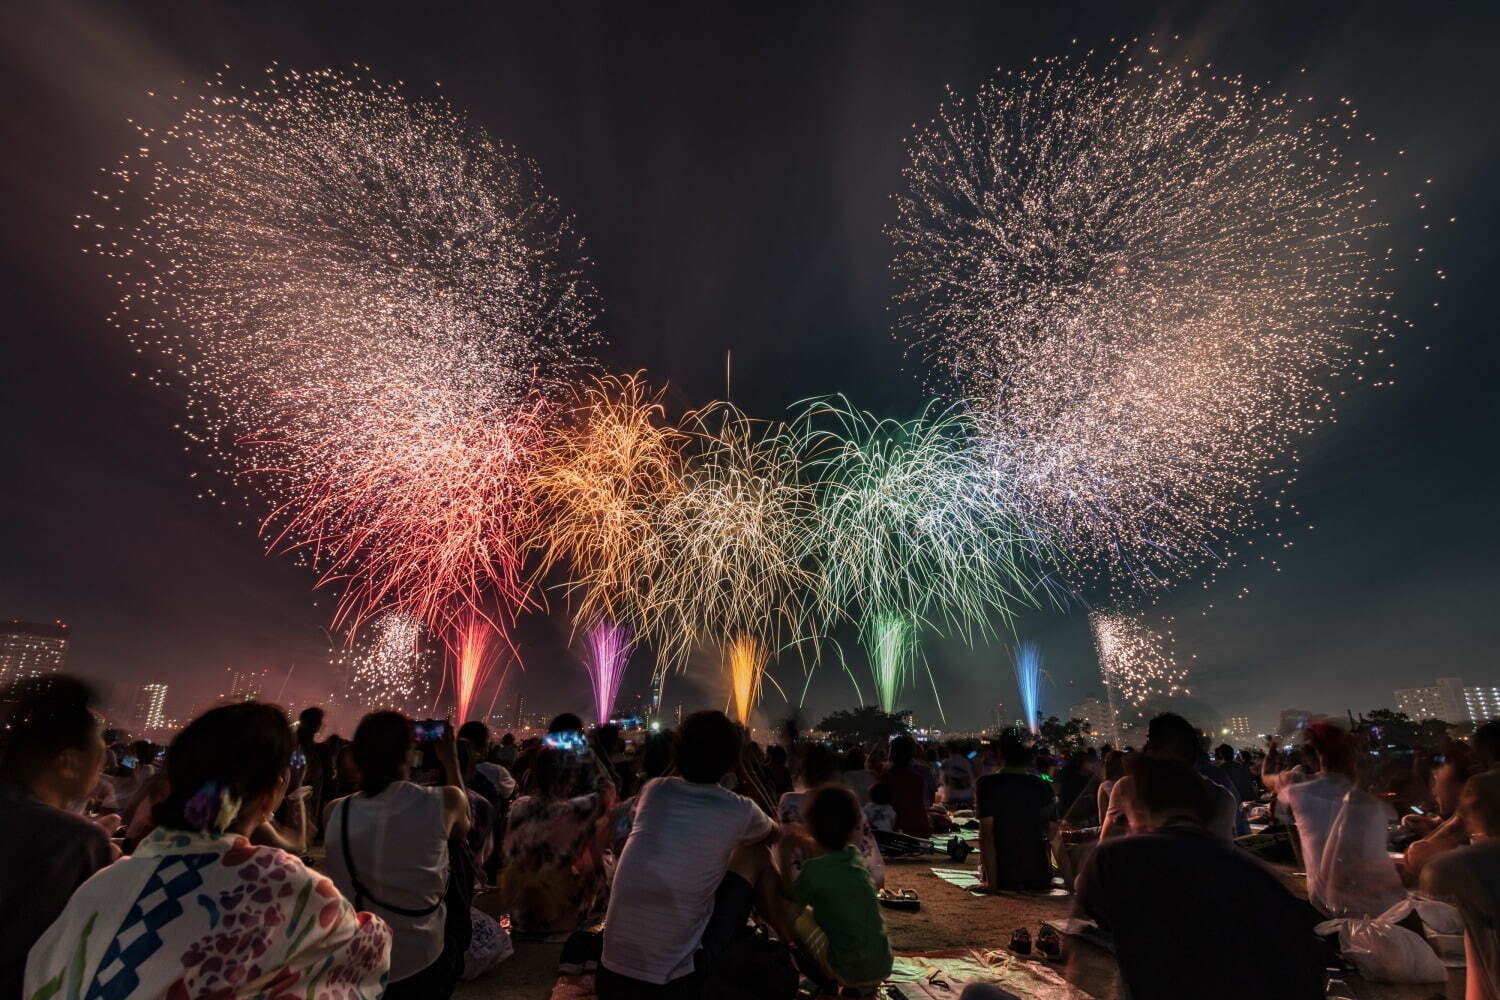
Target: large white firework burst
(1147, 279)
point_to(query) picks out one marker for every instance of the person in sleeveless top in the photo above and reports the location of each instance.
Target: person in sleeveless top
(388, 850)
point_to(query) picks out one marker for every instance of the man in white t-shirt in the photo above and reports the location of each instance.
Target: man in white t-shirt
(697, 861)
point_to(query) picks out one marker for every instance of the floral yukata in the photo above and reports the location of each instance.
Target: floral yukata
(196, 915)
(554, 873)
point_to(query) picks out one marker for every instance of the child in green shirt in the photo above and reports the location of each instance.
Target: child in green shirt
(835, 914)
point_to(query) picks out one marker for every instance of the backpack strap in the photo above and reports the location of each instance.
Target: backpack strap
(361, 893)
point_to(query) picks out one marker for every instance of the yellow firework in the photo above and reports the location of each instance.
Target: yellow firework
(746, 660)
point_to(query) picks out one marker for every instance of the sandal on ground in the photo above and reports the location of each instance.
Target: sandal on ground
(906, 899)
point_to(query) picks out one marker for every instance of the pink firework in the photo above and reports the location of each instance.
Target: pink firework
(606, 653)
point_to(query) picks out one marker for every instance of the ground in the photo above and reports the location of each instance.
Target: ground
(950, 918)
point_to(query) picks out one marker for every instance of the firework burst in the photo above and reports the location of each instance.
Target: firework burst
(370, 304)
(914, 527)
(1147, 280)
(1135, 660)
(387, 668)
(732, 539)
(610, 469)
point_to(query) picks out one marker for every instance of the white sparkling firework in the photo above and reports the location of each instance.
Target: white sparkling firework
(1135, 661)
(369, 303)
(1150, 281)
(389, 670)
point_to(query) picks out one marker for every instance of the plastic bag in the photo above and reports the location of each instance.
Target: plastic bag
(1386, 953)
(489, 946)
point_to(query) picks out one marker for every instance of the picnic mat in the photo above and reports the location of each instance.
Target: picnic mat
(968, 878)
(920, 977)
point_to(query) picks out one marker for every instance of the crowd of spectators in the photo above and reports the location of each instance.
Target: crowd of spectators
(252, 857)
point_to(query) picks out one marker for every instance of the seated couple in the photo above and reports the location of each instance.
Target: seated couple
(698, 862)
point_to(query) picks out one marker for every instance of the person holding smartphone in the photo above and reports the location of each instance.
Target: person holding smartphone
(389, 851)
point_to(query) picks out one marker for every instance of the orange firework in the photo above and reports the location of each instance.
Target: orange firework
(608, 473)
(746, 659)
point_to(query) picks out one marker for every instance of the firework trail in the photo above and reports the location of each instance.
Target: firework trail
(1027, 659)
(892, 647)
(473, 657)
(915, 527)
(606, 653)
(746, 659)
(1149, 281)
(610, 469)
(1134, 659)
(371, 305)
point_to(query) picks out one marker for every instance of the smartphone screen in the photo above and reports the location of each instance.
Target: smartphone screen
(430, 731)
(576, 742)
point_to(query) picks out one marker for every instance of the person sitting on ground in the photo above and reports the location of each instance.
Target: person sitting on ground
(345, 772)
(1075, 776)
(1167, 892)
(1342, 830)
(879, 813)
(958, 779)
(778, 770)
(819, 768)
(481, 835)
(197, 910)
(1280, 770)
(857, 777)
(389, 849)
(1443, 829)
(317, 760)
(1017, 817)
(1238, 773)
(489, 779)
(505, 752)
(835, 916)
(52, 755)
(553, 871)
(609, 745)
(697, 861)
(1170, 735)
(907, 789)
(1469, 878)
(1114, 770)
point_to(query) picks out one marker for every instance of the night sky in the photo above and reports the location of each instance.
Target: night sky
(732, 169)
